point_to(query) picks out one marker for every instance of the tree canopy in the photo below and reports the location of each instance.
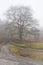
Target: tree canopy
(21, 22)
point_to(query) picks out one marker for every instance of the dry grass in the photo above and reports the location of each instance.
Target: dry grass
(25, 45)
(34, 54)
(37, 45)
(30, 45)
(0, 48)
(13, 50)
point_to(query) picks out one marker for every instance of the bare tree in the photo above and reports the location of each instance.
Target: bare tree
(21, 21)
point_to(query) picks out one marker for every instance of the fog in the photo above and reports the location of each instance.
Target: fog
(36, 6)
(21, 32)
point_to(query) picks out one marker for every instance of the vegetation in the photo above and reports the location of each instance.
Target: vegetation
(27, 53)
(0, 48)
(19, 27)
(37, 46)
(13, 50)
(20, 23)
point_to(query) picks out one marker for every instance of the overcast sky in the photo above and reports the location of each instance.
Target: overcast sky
(36, 5)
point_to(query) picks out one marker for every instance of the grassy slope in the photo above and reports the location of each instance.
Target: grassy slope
(20, 50)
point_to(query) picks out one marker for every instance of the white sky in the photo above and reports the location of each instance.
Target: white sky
(36, 5)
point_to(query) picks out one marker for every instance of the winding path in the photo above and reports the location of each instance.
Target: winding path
(6, 55)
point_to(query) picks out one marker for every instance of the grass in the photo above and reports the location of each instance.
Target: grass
(13, 50)
(37, 45)
(30, 45)
(24, 45)
(0, 48)
(35, 55)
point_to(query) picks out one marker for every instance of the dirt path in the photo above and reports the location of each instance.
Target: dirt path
(6, 55)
